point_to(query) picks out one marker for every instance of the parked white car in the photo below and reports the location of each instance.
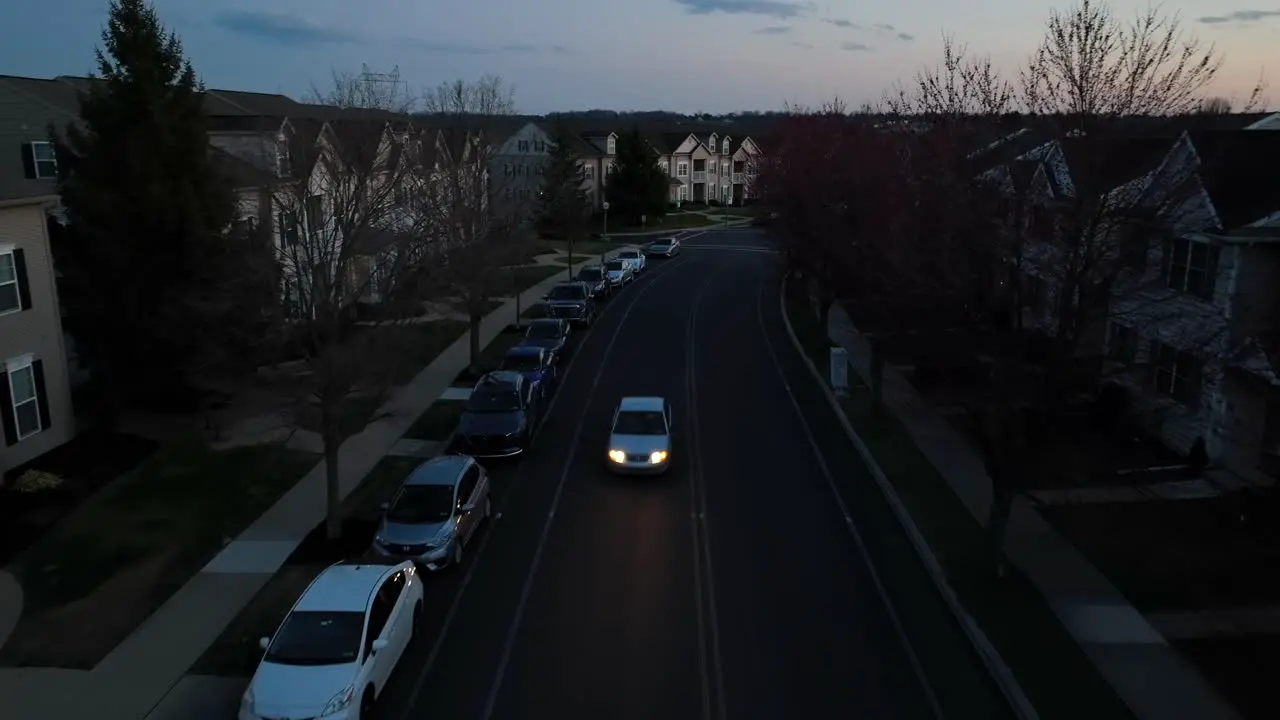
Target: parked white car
(640, 436)
(333, 653)
(634, 258)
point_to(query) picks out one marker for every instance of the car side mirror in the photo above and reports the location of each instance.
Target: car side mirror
(264, 642)
(468, 507)
(379, 644)
(546, 297)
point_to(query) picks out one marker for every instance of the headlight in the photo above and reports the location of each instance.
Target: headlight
(617, 456)
(339, 702)
(657, 456)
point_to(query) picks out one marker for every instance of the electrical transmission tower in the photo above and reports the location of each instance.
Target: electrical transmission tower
(386, 84)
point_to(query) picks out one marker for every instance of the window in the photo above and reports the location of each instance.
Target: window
(506, 169)
(288, 228)
(539, 146)
(724, 168)
(14, 293)
(315, 214)
(711, 168)
(611, 146)
(1176, 373)
(739, 167)
(724, 146)
(588, 172)
(284, 163)
(22, 400)
(468, 484)
(522, 146)
(44, 162)
(682, 169)
(1122, 343)
(724, 193)
(682, 193)
(1191, 267)
(711, 192)
(666, 167)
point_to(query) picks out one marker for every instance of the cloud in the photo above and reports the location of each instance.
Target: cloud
(282, 29)
(773, 30)
(854, 46)
(805, 45)
(838, 22)
(881, 29)
(781, 9)
(905, 37)
(1243, 16)
(454, 48)
(886, 28)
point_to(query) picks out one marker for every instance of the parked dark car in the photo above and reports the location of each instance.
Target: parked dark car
(597, 280)
(551, 334)
(499, 418)
(536, 363)
(571, 301)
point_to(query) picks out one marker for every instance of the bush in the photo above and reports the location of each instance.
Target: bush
(37, 481)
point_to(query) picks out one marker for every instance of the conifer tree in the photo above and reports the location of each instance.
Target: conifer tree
(636, 185)
(147, 213)
(563, 207)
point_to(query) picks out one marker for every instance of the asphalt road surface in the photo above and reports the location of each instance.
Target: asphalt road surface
(732, 587)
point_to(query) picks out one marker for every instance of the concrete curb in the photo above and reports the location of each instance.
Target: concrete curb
(996, 666)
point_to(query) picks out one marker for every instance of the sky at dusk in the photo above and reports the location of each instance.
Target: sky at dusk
(682, 55)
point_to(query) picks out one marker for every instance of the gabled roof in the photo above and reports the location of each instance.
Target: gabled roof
(1098, 165)
(1006, 149)
(1238, 170)
(27, 107)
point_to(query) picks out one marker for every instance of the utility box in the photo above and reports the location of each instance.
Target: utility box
(839, 362)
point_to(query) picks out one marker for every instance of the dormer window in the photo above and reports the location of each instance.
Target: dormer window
(284, 162)
(611, 146)
(42, 161)
(724, 146)
(522, 146)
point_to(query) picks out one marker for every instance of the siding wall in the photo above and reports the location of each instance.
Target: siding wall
(37, 331)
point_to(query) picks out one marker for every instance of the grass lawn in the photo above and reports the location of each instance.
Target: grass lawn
(1175, 555)
(416, 345)
(235, 653)
(583, 249)
(437, 421)
(93, 580)
(533, 250)
(354, 413)
(681, 221)
(1052, 669)
(515, 280)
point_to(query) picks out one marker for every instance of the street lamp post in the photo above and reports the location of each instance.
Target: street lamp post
(605, 205)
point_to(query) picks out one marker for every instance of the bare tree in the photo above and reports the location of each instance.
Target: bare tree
(1092, 66)
(1215, 106)
(349, 240)
(962, 87)
(366, 93)
(480, 213)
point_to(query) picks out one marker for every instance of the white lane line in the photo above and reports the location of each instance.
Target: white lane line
(456, 603)
(698, 527)
(521, 607)
(912, 657)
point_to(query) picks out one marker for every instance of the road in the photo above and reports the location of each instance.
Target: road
(732, 587)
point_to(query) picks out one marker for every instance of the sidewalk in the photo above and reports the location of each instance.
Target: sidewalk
(137, 677)
(1144, 670)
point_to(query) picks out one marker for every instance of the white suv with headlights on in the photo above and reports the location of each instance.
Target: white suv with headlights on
(337, 646)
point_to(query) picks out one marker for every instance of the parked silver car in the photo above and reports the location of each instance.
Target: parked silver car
(640, 436)
(633, 257)
(436, 512)
(620, 273)
(664, 247)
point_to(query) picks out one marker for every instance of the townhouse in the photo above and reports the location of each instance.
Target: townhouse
(1186, 314)
(35, 385)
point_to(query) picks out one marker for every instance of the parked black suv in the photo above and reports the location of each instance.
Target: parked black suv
(596, 279)
(499, 418)
(571, 301)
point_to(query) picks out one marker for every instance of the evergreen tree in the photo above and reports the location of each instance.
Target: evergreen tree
(636, 184)
(563, 206)
(144, 251)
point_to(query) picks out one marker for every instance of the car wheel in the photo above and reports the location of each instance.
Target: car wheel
(456, 560)
(488, 508)
(415, 623)
(366, 705)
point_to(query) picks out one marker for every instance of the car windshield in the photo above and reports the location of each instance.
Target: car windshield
(634, 422)
(520, 363)
(506, 400)
(422, 504)
(317, 638)
(591, 275)
(629, 254)
(661, 243)
(566, 292)
(614, 265)
(543, 330)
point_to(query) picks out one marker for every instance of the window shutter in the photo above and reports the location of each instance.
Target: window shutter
(28, 161)
(42, 397)
(20, 269)
(6, 411)
(1211, 271)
